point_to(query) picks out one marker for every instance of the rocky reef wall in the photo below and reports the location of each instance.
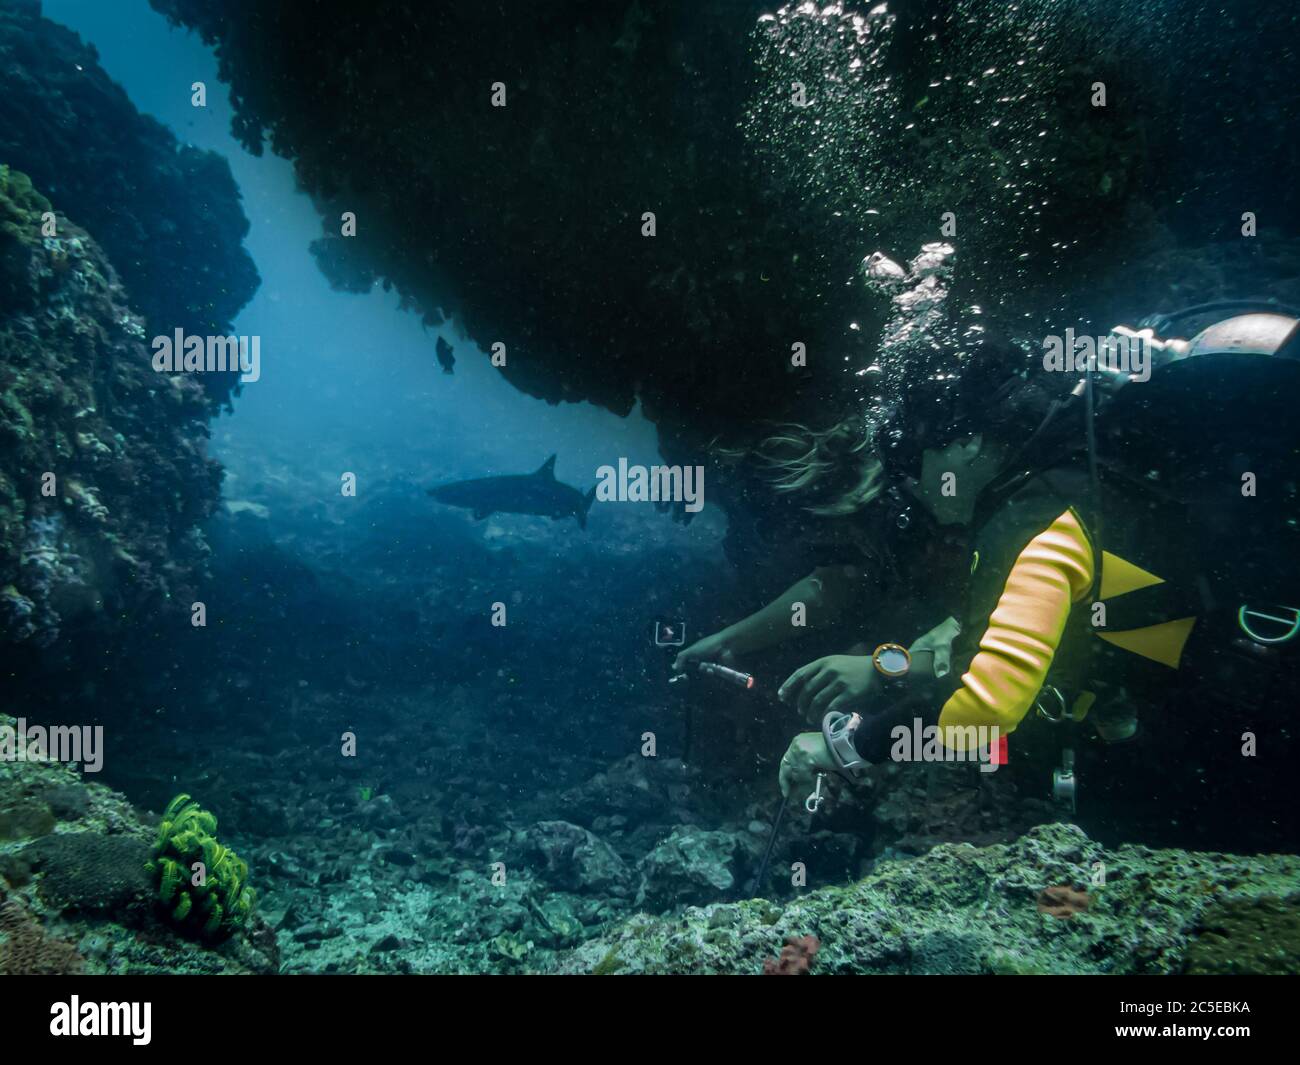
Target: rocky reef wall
(104, 477)
(524, 222)
(167, 215)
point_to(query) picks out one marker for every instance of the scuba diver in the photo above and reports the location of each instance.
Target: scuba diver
(877, 548)
(1133, 548)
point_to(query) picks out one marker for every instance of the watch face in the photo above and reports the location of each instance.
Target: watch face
(892, 659)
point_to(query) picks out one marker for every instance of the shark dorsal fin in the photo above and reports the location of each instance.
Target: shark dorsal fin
(548, 469)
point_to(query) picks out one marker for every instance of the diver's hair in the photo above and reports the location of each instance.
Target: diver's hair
(837, 468)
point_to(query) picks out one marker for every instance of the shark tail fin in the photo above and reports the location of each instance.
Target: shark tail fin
(587, 500)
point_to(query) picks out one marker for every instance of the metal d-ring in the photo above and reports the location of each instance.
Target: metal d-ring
(1053, 690)
(1290, 625)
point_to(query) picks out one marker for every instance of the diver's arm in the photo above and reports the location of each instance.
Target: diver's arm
(1054, 571)
(843, 683)
(825, 593)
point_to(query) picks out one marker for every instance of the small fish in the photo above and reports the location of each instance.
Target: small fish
(446, 359)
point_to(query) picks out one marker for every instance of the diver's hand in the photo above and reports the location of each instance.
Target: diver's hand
(837, 682)
(806, 756)
(715, 648)
(938, 643)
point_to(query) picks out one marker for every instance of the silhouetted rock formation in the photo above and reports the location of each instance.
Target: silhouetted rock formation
(525, 222)
(167, 215)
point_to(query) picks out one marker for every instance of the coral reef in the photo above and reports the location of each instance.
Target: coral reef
(796, 957)
(26, 820)
(202, 884)
(91, 872)
(690, 866)
(103, 472)
(571, 858)
(79, 896)
(151, 202)
(1259, 936)
(918, 806)
(26, 949)
(1063, 901)
(419, 857)
(962, 909)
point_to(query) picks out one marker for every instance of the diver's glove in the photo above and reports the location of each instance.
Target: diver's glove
(806, 756)
(836, 682)
(846, 746)
(830, 751)
(936, 646)
(917, 695)
(848, 683)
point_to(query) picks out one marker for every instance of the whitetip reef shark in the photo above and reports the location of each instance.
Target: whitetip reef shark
(536, 493)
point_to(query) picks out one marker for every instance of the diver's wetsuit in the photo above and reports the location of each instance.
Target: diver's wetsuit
(1153, 630)
(911, 564)
(1006, 526)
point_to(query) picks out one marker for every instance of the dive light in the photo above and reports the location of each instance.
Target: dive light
(722, 673)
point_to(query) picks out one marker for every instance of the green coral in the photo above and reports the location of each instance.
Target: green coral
(169, 872)
(182, 909)
(202, 884)
(21, 206)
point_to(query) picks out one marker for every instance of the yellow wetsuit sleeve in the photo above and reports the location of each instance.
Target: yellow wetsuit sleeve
(1054, 571)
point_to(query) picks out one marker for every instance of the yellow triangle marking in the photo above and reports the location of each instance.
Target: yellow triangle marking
(1119, 577)
(1161, 643)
